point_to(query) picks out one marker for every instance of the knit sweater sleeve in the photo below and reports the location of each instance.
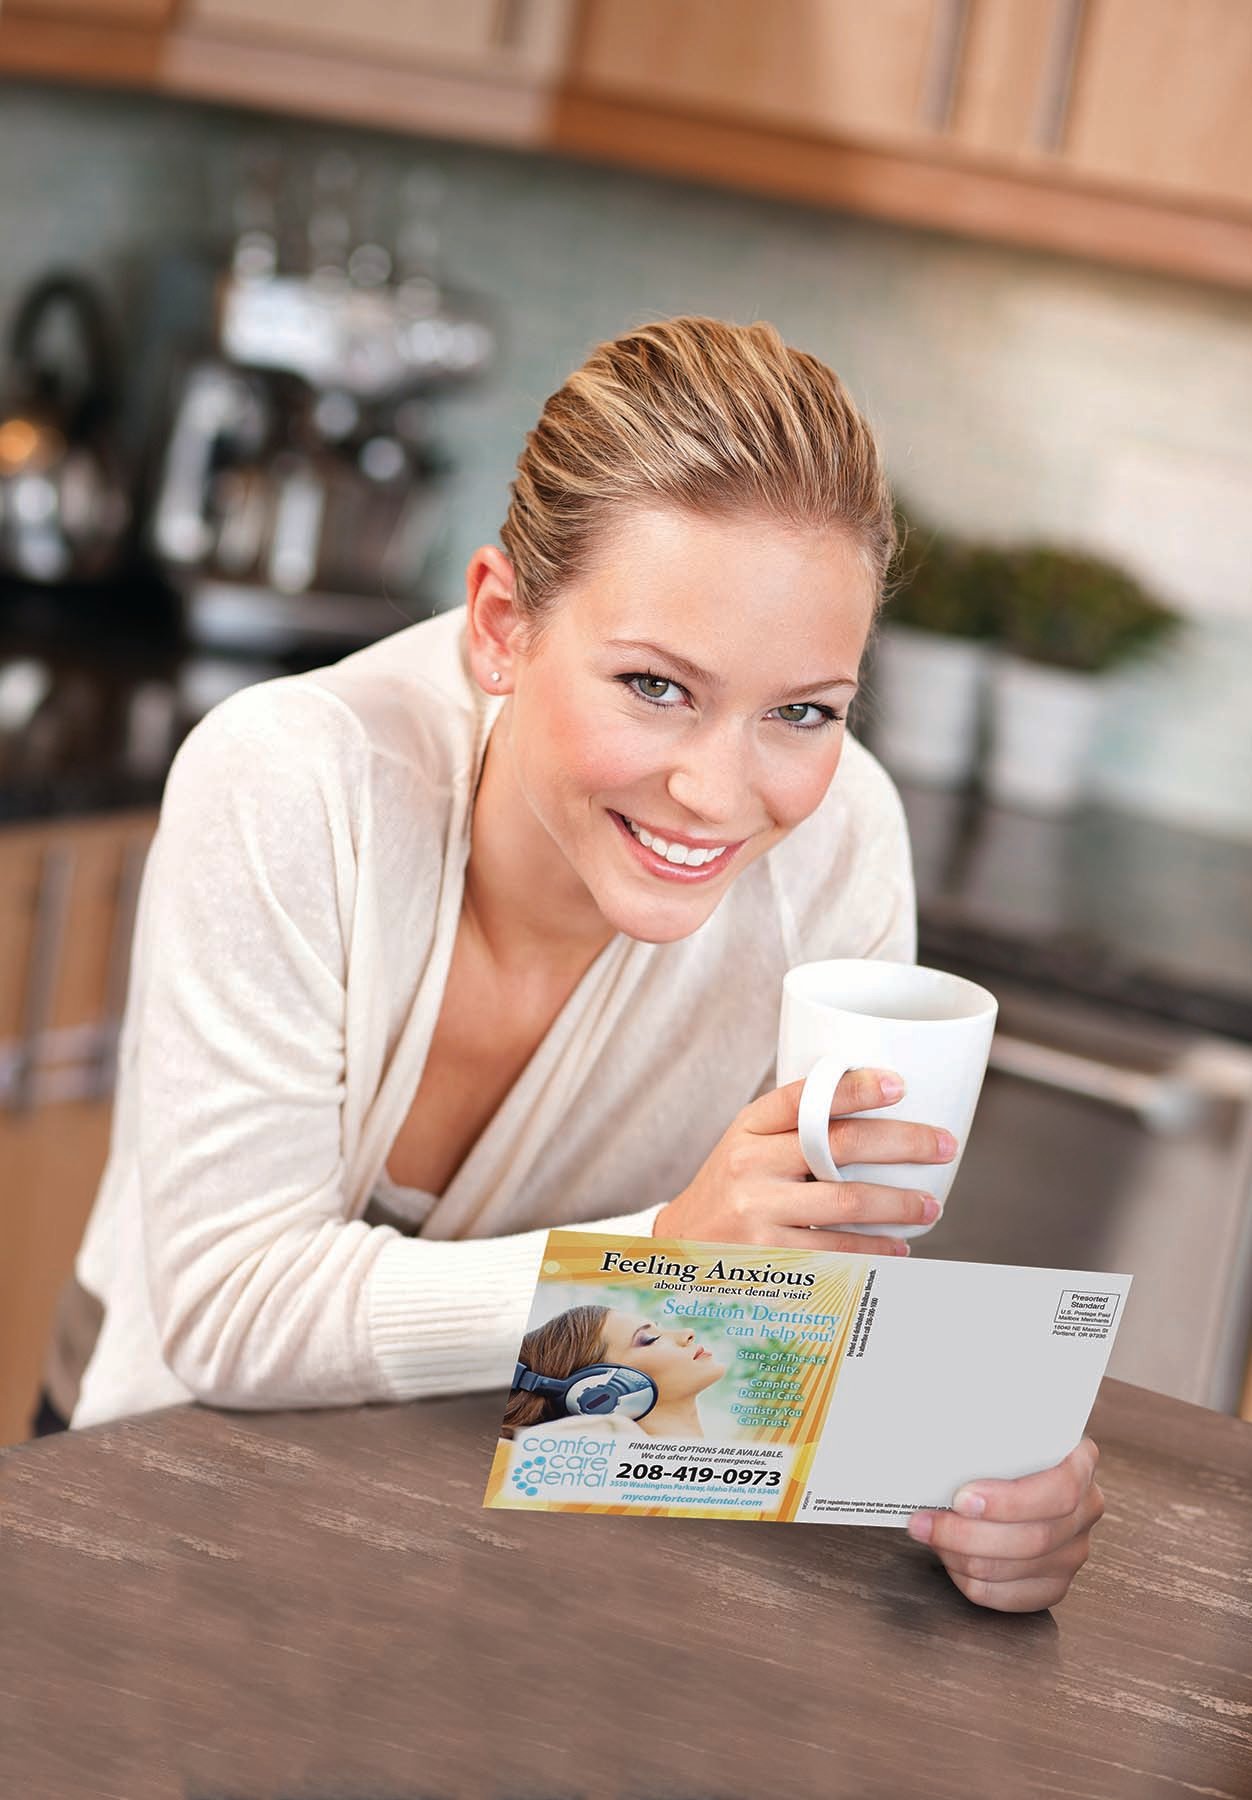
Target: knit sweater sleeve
(263, 1292)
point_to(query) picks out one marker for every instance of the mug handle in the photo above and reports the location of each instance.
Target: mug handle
(816, 1100)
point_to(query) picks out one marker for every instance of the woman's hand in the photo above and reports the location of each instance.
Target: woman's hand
(1019, 1550)
(755, 1188)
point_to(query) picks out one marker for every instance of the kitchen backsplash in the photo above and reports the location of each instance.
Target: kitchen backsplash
(1016, 394)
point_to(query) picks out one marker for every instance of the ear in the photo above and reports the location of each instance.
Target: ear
(495, 630)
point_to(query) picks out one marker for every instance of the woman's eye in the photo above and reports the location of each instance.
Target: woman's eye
(826, 715)
(646, 687)
(642, 1342)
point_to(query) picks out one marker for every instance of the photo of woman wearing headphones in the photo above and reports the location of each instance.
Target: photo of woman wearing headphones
(602, 1363)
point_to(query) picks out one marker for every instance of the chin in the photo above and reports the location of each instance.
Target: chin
(663, 923)
(654, 935)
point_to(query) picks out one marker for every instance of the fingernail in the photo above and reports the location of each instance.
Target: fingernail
(930, 1209)
(921, 1525)
(892, 1087)
(969, 1504)
(899, 1247)
(947, 1144)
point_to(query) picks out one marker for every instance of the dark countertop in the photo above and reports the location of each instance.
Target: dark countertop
(91, 749)
(216, 1603)
(1102, 905)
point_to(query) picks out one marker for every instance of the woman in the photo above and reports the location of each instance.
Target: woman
(591, 1337)
(482, 930)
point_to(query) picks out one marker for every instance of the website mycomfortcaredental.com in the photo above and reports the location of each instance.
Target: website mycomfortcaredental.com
(727, 1381)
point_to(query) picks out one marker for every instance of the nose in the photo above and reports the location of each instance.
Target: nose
(712, 777)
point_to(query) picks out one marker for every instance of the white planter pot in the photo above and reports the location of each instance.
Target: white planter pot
(1043, 722)
(928, 697)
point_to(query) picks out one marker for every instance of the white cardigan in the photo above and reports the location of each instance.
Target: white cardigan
(294, 933)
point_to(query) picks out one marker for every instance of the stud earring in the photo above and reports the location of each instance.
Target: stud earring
(495, 674)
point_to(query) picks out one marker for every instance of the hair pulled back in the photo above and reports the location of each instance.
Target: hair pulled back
(714, 418)
(573, 1340)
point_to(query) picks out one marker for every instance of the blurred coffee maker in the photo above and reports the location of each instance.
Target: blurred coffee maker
(64, 505)
(300, 493)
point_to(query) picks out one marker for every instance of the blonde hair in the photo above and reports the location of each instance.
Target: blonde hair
(695, 413)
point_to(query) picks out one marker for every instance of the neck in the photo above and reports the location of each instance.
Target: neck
(674, 1419)
(524, 900)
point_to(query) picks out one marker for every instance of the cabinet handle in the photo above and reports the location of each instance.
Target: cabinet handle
(56, 873)
(104, 1072)
(943, 63)
(509, 24)
(1058, 74)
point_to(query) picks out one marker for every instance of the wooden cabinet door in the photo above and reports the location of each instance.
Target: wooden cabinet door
(67, 902)
(52, 1161)
(835, 67)
(520, 35)
(1162, 97)
(67, 897)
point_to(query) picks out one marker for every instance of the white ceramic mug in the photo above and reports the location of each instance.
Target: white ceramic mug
(932, 1028)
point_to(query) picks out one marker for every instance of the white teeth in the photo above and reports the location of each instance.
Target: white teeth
(675, 853)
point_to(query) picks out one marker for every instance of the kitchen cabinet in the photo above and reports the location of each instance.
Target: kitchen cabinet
(475, 35)
(481, 69)
(1115, 129)
(52, 1166)
(68, 892)
(1162, 98)
(1111, 129)
(810, 65)
(1144, 94)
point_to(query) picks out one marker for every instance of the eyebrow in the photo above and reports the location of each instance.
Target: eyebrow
(693, 672)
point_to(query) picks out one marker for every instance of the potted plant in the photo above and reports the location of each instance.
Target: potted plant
(930, 660)
(1063, 618)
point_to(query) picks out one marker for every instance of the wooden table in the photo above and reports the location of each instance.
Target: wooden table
(235, 1605)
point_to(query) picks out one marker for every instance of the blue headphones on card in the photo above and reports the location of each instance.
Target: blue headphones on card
(595, 1391)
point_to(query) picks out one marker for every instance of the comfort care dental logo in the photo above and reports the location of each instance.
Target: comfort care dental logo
(541, 1463)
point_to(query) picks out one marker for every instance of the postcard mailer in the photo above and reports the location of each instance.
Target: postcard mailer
(732, 1382)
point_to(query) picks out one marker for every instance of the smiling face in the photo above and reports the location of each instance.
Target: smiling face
(673, 1359)
(693, 682)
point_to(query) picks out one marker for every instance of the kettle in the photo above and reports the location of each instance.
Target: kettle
(64, 510)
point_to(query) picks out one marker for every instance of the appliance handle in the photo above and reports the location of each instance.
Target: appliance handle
(1163, 1104)
(212, 403)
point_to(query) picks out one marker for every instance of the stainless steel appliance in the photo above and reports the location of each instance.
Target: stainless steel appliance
(1107, 1140)
(301, 490)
